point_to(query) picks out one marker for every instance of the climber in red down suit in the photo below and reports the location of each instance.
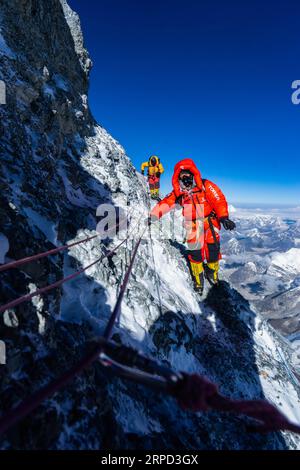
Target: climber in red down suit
(204, 210)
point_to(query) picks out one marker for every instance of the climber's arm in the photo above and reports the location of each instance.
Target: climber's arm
(164, 206)
(144, 166)
(216, 199)
(161, 169)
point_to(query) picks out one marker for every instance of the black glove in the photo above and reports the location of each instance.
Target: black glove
(227, 223)
(158, 175)
(143, 173)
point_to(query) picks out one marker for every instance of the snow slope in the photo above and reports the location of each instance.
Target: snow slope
(288, 261)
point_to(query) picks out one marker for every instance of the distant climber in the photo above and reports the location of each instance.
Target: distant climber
(155, 170)
(204, 210)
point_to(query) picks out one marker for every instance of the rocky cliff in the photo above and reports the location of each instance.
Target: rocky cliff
(57, 166)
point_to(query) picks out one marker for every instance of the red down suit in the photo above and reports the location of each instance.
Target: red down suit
(203, 207)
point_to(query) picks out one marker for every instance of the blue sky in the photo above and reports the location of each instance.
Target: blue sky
(204, 80)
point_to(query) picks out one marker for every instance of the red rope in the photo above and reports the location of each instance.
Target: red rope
(117, 309)
(29, 405)
(193, 392)
(29, 259)
(44, 290)
(197, 393)
(54, 251)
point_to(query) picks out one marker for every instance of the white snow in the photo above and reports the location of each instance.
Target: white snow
(74, 195)
(46, 226)
(38, 302)
(4, 247)
(79, 114)
(282, 394)
(289, 261)
(10, 319)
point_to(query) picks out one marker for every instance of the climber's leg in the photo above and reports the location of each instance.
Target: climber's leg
(197, 269)
(212, 254)
(154, 187)
(151, 183)
(157, 186)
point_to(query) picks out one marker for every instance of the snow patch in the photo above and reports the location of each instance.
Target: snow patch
(46, 226)
(289, 261)
(38, 302)
(74, 196)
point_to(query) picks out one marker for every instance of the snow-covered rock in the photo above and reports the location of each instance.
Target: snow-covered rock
(288, 261)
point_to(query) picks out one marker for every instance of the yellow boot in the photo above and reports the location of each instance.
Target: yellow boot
(198, 275)
(212, 272)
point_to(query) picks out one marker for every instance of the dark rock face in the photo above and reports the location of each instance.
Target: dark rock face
(43, 129)
(57, 166)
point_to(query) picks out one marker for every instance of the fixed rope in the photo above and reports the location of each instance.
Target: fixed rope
(196, 393)
(156, 276)
(193, 392)
(55, 285)
(117, 310)
(54, 251)
(29, 405)
(45, 254)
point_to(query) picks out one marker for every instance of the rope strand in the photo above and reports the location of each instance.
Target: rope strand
(55, 285)
(45, 254)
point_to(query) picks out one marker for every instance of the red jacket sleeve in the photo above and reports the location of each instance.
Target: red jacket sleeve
(164, 206)
(216, 199)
